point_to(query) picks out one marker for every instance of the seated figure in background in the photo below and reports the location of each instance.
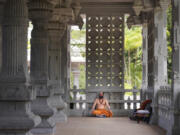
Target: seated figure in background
(144, 112)
(101, 107)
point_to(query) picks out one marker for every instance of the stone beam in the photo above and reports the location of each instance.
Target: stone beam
(106, 8)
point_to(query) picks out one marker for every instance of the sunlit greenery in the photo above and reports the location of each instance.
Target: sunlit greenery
(133, 57)
(169, 43)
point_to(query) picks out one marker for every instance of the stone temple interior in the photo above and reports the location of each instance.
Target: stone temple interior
(35, 101)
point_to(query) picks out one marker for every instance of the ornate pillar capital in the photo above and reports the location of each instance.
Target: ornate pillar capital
(138, 6)
(143, 5)
(148, 5)
(164, 3)
(66, 15)
(40, 10)
(133, 20)
(76, 6)
(57, 23)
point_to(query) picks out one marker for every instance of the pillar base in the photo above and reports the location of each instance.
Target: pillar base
(173, 131)
(16, 117)
(43, 131)
(41, 107)
(17, 125)
(59, 116)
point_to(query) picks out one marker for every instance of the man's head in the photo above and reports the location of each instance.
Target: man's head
(101, 95)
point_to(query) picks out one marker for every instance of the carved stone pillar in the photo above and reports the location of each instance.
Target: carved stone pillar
(145, 60)
(157, 55)
(65, 68)
(40, 12)
(15, 92)
(1, 15)
(175, 130)
(56, 31)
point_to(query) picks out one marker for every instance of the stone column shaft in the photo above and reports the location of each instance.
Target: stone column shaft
(1, 15)
(175, 129)
(14, 57)
(56, 30)
(157, 56)
(65, 66)
(145, 60)
(66, 55)
(160, 49)
(40, 12)
(15, 92)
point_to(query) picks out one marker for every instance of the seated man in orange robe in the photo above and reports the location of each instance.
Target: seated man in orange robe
(102, 107)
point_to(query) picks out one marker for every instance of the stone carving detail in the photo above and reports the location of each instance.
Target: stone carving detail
(40, 11)
(15, 93)
(105, 46)
(56, 31)
(149, 5)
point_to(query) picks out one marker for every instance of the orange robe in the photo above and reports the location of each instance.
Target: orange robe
(102, 112)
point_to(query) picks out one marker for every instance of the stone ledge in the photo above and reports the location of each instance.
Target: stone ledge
(16, 92)
(16, 123)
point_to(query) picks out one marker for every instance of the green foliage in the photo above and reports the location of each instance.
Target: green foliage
(133, 38)
(169, 43)
(78, 38)
(133, 55)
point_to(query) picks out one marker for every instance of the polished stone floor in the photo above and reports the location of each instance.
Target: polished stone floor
(106, 126)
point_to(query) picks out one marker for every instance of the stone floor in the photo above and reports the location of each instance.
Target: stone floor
(107, 126)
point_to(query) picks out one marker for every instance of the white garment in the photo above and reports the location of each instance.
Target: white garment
(143, 111)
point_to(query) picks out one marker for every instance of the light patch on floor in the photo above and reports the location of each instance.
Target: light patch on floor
(105, 126)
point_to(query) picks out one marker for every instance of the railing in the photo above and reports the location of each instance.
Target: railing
(121, 101)
(164, 99)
